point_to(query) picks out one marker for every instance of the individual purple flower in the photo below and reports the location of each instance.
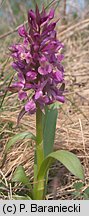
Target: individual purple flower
(30, 107)
(37, 62)
(31, 75)
(38, 94)
(22, 95)
(22, 32)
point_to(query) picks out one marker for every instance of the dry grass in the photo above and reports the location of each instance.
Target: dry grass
(72, 131)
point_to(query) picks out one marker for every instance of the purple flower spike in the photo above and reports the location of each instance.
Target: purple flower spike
(37, 62)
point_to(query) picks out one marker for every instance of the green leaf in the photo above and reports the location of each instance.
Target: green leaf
(78, 186)
(18, 137)
(50, 119)
(17, 197)
(76, 194)
(85, 196)
(87, 191)
(20, 176)
(68, 159)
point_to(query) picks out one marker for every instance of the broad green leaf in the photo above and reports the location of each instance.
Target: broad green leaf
(18, 137)
(68, 159)
(20, 176)
(50, 119)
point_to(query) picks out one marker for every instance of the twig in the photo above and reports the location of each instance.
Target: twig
(6, 92)
(79, 26)
(4, 180)
(11, 11)
(82, 136)
(12, 31)
(10, 191)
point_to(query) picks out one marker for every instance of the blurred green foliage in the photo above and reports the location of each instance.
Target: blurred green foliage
(80, 191)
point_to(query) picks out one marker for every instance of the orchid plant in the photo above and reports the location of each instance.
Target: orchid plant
(37, 62)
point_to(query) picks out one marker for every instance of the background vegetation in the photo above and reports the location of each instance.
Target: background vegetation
(72, 131)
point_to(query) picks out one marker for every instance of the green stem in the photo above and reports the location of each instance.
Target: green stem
(39, 156)
(39, 137)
